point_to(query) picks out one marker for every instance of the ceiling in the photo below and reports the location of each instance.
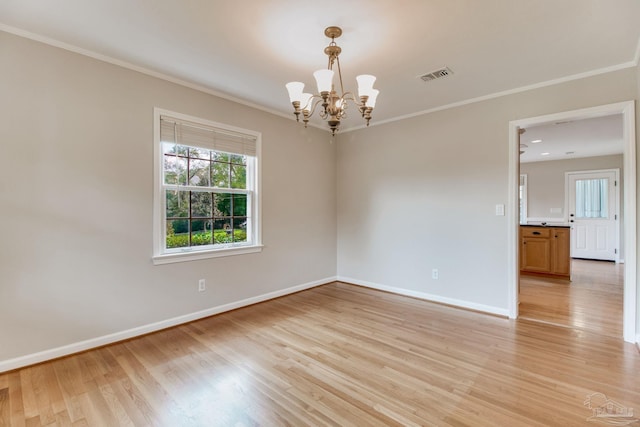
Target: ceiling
(247, 50)
(599, 136)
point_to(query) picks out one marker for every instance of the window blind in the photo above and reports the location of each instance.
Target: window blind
(186, 133)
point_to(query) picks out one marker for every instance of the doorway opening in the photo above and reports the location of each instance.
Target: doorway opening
(593, 200)
(628, 269)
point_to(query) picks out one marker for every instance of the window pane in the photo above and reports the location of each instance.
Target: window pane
(222, 231)
(177, 233)
(240, 229)
(175, 170)
(220, 157)
(238, 160)
(592, 198)
(239, 205)
(238, 176)
(199, 153)
(171, 148)
(220, 174)
(200, 232)
(201, 205)
(199, 172)
(177, 204)
(222, 206)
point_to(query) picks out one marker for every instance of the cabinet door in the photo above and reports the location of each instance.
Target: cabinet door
(560, 257)
(536, 254)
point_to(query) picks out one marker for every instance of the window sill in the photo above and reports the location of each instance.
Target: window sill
(198, 255)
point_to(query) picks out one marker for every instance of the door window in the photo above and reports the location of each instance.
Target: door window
(591, 198)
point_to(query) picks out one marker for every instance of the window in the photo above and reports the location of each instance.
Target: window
(591, 198)
(206, 197)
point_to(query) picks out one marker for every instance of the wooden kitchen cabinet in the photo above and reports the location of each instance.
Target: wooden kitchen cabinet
(545, 251)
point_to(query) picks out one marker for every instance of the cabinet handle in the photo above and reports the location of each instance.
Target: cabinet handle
(536, 233)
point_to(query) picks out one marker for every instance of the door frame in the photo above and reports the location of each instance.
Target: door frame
(616, 200)
(627, 109)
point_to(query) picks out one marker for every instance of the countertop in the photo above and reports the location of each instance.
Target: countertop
(548, 225)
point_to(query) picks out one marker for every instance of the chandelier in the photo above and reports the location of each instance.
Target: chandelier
(333, 104)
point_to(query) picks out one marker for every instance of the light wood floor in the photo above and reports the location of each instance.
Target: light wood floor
(337, 355)
(593, 300)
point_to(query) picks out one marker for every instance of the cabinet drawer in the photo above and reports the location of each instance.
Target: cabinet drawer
(535, 232)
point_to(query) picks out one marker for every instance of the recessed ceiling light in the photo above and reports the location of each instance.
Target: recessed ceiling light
(535, 141)
(544, 154)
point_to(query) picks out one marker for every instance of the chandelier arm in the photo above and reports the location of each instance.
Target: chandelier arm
(350, 96)
(309, 102)
(315, 105)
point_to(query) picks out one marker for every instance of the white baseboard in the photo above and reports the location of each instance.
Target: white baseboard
(54, 353)
(428, 297)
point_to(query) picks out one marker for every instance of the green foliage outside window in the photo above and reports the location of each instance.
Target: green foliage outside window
(209, 217)
(220, 237)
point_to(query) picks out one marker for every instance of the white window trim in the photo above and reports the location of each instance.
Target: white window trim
(160, 256)
(525, 189)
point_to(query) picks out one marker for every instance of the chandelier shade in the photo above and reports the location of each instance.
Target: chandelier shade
(365, 84)
(305, 100)
(371, 100)
(333, 104)
(324, 80)
(295, 90)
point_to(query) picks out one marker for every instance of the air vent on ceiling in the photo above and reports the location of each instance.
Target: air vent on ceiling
(437, 74)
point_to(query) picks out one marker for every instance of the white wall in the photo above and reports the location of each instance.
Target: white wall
(76, 207)
(421, 193)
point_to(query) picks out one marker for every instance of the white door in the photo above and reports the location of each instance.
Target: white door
(593, 214)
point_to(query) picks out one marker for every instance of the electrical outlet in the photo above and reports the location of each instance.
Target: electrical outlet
(202, 285)
(434, 273)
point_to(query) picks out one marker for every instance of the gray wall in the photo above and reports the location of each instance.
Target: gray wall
(421, 193)
(546, 182)
(76, 177)
(402, 198)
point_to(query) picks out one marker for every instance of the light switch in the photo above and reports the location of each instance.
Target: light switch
(500, 210)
